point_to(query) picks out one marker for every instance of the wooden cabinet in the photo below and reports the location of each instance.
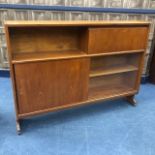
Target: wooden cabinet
(57, 65)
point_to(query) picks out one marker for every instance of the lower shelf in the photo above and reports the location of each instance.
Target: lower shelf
(109, 85)
(102, 92)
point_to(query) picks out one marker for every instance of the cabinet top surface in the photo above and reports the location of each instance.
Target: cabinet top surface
(72, 23)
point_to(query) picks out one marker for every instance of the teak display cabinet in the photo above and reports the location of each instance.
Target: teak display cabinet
(57, 65)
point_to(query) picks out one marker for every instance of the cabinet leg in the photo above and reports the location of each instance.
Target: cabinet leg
(18, 127)
(131, 100)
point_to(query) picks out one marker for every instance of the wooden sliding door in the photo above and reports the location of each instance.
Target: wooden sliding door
(116, 39)
(43, 85)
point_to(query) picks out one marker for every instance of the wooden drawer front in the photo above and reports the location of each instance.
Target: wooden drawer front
(117, 39)
(44, 85)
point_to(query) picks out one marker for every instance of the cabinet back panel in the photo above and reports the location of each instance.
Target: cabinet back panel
(43, 85)
(45, 39)
(117, 39)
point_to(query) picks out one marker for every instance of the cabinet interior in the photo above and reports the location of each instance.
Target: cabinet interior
(105, 65)
(109, 85)
(44, 42)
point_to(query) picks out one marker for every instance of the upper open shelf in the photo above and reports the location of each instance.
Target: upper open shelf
(33, 43)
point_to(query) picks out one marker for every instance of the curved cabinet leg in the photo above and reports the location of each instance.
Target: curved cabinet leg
(131, 100)
(18, 127)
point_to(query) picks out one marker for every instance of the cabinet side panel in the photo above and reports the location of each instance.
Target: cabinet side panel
(9, 51)
(44, 85)
(141, 62)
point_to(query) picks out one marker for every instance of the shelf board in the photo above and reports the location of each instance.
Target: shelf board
(117, 53)
(104, 92)
(115, 70)
(44, 56)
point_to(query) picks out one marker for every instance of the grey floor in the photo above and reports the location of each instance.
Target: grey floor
(108, 128)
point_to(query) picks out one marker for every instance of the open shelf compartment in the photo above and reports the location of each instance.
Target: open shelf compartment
(33, 43)
(106, 65)
(110, 85)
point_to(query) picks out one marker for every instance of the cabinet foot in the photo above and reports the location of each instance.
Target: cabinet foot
(18, 127)
(131, 100)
